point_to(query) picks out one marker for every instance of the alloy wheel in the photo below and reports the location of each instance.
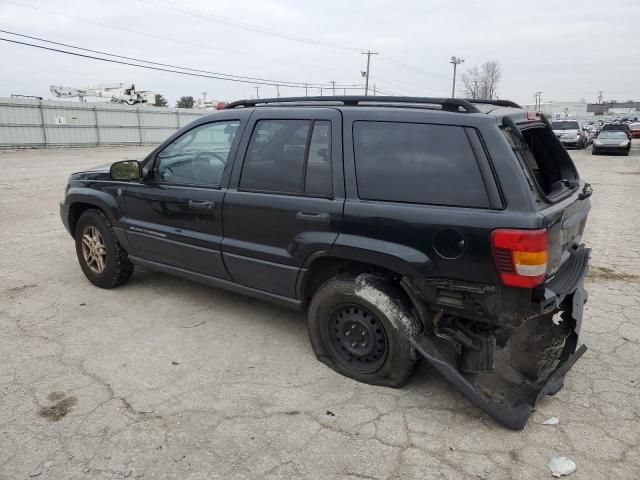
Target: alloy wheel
(94, 249)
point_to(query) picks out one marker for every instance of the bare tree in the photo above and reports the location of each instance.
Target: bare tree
(482, 82)
(491, 75)
(471, 82)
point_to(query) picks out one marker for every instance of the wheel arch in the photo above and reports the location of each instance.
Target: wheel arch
(79, 201)
(321, 266)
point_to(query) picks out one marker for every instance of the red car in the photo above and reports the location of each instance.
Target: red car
(635, 130)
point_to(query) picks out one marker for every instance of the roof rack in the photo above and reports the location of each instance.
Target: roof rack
(447, 104)
(499, 103)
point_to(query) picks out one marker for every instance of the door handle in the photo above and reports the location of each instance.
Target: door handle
(200, 205)
(316, 217)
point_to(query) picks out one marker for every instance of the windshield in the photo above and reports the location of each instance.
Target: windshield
(613, 134)
(564, 125)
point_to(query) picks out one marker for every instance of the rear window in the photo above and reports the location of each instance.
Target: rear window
(565, 125)
(615, 126)
(289, 156)
(546, 160)
(417, 163)
(613, 134)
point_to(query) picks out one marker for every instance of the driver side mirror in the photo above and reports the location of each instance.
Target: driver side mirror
(126, 170)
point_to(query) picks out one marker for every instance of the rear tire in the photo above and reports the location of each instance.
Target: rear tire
(102, 259)
(359, 325)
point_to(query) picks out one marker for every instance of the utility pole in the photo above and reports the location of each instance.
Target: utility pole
(333, 87)
(365, 74)
(278, 91)
(374, 89)
(306, 86)
(257, 92)
(600, 96)
(204, 97)
(455, 61)
(538, 97)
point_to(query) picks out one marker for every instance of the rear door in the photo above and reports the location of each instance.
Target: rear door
(286, 197)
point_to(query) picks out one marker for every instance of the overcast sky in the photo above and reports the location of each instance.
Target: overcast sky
(568, 49)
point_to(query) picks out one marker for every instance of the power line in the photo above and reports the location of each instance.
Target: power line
(386, 92)
(245, 26)
(243, 77)
(149, 67)
(402, 88)
(169, 39)
(411, 67)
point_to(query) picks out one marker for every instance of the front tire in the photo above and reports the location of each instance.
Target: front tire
(101, 257)
(359, 325)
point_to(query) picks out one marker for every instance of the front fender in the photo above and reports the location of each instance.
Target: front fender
(105, 199)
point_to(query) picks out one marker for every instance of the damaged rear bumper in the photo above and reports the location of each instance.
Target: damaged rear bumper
(508, 397)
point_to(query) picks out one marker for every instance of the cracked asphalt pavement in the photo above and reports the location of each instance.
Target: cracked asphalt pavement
(164, 378)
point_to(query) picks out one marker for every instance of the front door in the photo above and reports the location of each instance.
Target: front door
(175, 217)
(285, 199)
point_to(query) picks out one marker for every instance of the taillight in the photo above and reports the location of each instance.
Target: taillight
(520, 256)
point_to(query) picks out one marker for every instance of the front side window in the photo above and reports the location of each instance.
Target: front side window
(289, 156)
(417, 163)
(199, 156)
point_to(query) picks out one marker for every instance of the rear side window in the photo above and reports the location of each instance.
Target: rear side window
(289, 156)
(417, 163)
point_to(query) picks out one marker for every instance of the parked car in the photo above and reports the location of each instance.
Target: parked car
(570, 133)
(635, 130)
(619, 126)
(405, 227)
(611, 141)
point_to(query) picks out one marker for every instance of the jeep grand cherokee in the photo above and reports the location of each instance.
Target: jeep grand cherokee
(405, 227)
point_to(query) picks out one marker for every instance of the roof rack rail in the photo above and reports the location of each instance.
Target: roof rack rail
(447, 104)
(499, 103)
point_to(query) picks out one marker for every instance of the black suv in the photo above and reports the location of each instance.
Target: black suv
(445, 228)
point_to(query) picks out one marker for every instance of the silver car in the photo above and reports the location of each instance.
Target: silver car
(612, 142)
(570, 133)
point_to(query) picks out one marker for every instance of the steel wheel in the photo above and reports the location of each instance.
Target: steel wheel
(94, 249)
(357, 338)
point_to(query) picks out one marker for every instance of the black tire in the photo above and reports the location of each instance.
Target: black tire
(593, 152)
(117, 267)
(381, 312)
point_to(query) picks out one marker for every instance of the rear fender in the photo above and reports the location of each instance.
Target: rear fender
(401, 259)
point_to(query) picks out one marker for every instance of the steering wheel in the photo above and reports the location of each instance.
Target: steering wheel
(203, 171)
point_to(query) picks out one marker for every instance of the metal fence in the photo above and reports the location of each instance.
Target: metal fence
(32, 123)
